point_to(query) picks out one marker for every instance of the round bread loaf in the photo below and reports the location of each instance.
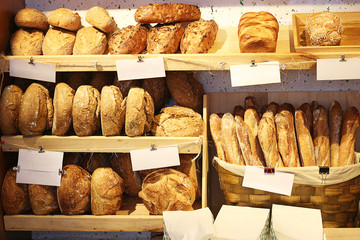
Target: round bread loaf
(112, 111)
(89, 41)
(26, 42)
(36, 111)
(9, 110)
(157, 89)
(126, 85)
(121, 164)
(74, 192)
(167, 190)
(91, 161)
(164, 39)
(139, 112)
(43, 199)
(31, 18)
(58, 42)
(177, 121)
(63, 102)
(107, 188)
(86, 111)
(14, 196)
(65, 18)
(100, 18)
(129, 40)
(185, 89)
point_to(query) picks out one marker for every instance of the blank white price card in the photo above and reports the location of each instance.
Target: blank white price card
(33, 70)
(337, 69)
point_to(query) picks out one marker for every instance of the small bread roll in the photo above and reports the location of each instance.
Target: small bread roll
(89, 41)
(31, 18)
(100, 18)
(58, 42)
(27, 42)
(9, 110)
(65, 18)
(43, 199)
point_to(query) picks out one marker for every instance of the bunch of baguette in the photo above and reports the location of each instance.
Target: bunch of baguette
(285, 137)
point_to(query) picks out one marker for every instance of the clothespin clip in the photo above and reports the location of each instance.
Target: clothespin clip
(17, 168)
(342, 58)
(31, 60)
(324, 171)
(41, 149)
(95, 64)
(223, 65)
(153, 148)
(61, 172)
(140, 58)
(269, 171)
(253, 63)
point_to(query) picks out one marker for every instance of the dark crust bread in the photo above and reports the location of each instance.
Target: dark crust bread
(157, 89)
(164, 39)
(9, 109)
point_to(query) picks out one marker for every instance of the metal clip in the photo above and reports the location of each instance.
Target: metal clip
(269, 171)
(223, 65)
(283, 66)
(41, 149)
(324, 171)
(17, 168)
(95, 64)
(61, 172)
(140, 58)
(31, 60)
(153, 148)
(253, 63)
(343, 58)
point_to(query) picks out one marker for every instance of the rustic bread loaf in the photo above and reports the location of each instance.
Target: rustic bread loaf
(74, 191)
(58, 42)
(26, 42)
(199, 37)
(31, 18)
(43, 199)
(65, 18)
(308, 110)
(86, 111)
(89, 41)
(164, 39)
(100, 18)
(36, 111)
(14, 196)
(185, 90)
(139, 112)
(321, 136)
(258, 32)
(167, 190)
(9, 110)
(158, 91)
(167, 13)
(126, 85)
(112, 112)
(63, 103)
(335, 121)
(216, 133)
(177, 121)
(128, 40)
(107, 188)
(305, 141)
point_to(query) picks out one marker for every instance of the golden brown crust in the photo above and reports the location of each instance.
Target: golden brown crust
(305, 141)
(258, 32)
(335, 121)
(321, 136)
(65, 18)
(215, 130)
(199, 37)
(185, 89)
(43, 199)
(128, 40)
(164, 39)
(188, 167)
(26, 42)
(9, 110)
(58, 42)
(100, 18)
(89, 41)
(167, 13)
(308, 110)
(158, 91)
(31, 18)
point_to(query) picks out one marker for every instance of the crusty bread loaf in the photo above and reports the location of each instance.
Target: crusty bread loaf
(58, 42)
(14, 196)
(100, 18)
(26, 42)
(9, 110)
(348, 132)
(251, 102)
(286, 137)
(335, 121)
(158, 91)
(36, 111)
(167, 190)
(272, 107)
(128, 40)
(65, 18)
(86, 111)
(177, 121)
(121, 164)
(258, 32)
(216, 133)
(31, 18)
(321, 136)
(112, 111)
(107, 188)
(88, 41)
(308, 110)
(74, 191)
(185, 90)
(92, 161)
(199, 37)
(239, 111)
(126, 85)
(43, 199)
(164, 39)
(167, 13)
(287, 107)
(63, 103)
(305, 141)
(324, 29)
(268, 142)
(139, 112)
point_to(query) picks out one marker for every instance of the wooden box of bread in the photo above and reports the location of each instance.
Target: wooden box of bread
(302, 133)
(326, 32)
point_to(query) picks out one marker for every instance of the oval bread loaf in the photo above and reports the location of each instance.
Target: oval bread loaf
(43, 199)
(65, 18)
(26, 42)
(31, 18)
(100, 18)
(9, 109)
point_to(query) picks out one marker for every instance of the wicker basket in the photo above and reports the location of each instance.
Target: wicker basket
(338, 203)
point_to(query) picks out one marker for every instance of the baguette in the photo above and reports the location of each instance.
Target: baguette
(272, 107)
(321, 136)
(306, 108)
(215, 129)
(250, 102)
(305, 142)
(287, 107)
(335, 120)
(239, 111)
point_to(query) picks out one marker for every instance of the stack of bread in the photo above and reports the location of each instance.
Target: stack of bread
(281, 136)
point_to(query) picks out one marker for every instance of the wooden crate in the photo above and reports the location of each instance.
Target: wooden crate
(350, 41)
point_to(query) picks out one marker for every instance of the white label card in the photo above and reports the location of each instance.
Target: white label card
(261, 73)
(143, 159)
(335, 69)
(279, 182)
(134, 69)
(37, 71)
(39, 167)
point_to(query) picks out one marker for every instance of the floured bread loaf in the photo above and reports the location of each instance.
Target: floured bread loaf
(100, 18)
(26, 42)
(31, 18)
(65, 18)
(58, 42)
(89, 41)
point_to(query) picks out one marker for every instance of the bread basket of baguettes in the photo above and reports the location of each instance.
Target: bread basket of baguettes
(314, 143)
